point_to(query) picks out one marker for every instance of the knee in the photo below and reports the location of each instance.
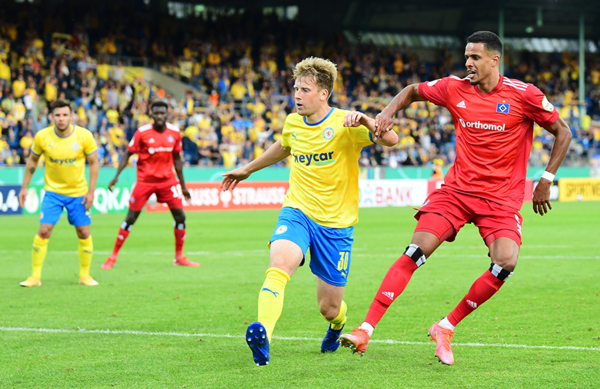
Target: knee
(45, 233)
(83, 234)
(179, 217)
(329, 311)
(507, 261)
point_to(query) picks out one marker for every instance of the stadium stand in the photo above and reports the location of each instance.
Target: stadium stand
(240, 90)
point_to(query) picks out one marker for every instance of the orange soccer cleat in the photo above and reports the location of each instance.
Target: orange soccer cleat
(358, 341)
(183, 261)
(31, 281)
(442, 337)
(110, 262)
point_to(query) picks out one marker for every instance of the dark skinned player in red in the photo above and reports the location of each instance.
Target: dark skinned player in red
(493, 116)
(158, 145)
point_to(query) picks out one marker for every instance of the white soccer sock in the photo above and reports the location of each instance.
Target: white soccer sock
(367, 327)
(445, 323)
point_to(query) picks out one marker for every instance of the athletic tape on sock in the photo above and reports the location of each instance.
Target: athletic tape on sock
(126, 227)
(500, 273)
(416, 254)
(179, 226)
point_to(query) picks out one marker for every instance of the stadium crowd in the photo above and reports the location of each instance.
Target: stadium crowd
(239, 73)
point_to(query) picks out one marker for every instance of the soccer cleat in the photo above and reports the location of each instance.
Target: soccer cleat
(31, 281)
(331, 341)
(256, 337)
(88, 280)
(183, 261)
(358, 341)
(110, 262)
(442, 337)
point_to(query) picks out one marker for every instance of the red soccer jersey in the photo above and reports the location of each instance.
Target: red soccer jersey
(155, 150)
(494, 133)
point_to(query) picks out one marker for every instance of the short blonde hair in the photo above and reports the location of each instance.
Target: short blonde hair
(322, 70)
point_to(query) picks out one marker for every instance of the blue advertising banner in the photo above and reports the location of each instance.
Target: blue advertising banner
(9, 200)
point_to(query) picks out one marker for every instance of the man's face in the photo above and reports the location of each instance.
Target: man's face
(307, 96)
(159, 114)
(480, 63)
(62, 117)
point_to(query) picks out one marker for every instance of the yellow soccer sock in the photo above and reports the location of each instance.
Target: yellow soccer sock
(38, 254)
(86, 247)
(270, 298)
(338, 322)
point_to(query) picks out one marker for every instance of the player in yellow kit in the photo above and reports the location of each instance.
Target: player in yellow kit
(321, 206)
(65, 147)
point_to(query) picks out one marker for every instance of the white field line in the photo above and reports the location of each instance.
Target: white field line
(188, 335)
(265, 252)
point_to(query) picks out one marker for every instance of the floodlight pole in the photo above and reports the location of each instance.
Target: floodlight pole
(581, 69)
(501, 36)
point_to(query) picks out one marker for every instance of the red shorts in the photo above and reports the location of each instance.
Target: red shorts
(169, 193)
(494, 220)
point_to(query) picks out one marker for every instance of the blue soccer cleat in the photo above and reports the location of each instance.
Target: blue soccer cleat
(331, 341)
(256, 337)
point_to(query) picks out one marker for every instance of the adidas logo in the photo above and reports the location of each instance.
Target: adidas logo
(461, 104)
(389, 295)
(121, 237)
(472, 304)
(151, 140)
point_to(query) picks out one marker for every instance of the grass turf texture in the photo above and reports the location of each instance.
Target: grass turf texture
(551, 300)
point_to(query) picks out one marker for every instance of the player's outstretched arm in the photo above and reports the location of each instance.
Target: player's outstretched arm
(274, 154)
(178, 163)
(541, 195)
(32, 163)
(385, 120)
(355, 119)
(122, 164)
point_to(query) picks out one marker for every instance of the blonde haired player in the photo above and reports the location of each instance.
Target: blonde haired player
(65, 147)
(321, 206)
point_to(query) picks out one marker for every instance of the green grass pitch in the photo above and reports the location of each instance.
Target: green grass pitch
(176, 327)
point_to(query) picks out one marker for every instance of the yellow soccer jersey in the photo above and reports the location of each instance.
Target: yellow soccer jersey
(65, 159)
(324, 172)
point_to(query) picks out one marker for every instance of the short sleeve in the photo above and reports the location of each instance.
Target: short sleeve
(537, 107)
(285, 141)
(38, 148)
(178, 147)
(135, 145)
(89, 146)
(361, 136)
(435, 91)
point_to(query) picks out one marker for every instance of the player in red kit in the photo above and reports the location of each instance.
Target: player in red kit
(158, 145)
(493, 116)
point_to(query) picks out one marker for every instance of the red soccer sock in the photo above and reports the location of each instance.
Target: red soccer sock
(391, 287)
(123, 234)
(481, 291)
(179, 241)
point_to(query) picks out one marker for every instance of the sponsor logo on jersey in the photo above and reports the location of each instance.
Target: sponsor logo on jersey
(503, 108)
(151, 140)
(63, 161)
(153, 150)
(328, 133)
(482, 126)
(547, 105)
(315, 159)
(170, 139)
(281, 230)
(461, 104)
(75, 146)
